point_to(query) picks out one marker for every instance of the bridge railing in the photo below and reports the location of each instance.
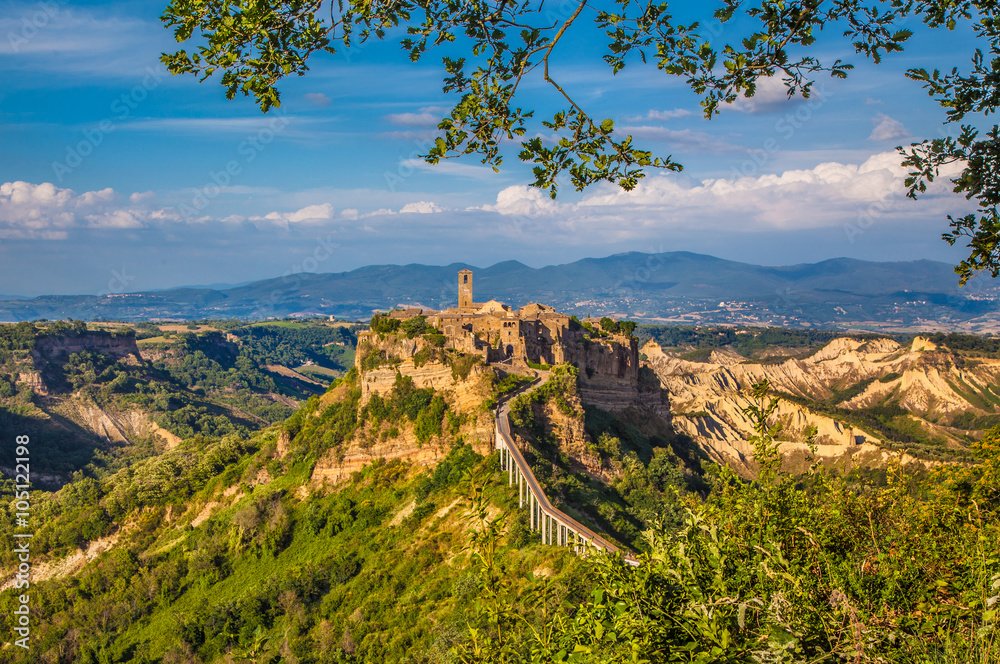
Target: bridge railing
(556, 526)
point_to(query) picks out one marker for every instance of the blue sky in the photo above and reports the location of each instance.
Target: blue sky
(115, 176)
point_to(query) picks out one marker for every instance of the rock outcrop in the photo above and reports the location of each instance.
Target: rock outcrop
(118, 427)
(707, 397)
(334, 468)
(464, 391)
(50, 353)
(33, 379)
(115, 346)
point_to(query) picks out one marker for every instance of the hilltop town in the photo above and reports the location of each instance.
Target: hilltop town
(533, 334)
(604, 352)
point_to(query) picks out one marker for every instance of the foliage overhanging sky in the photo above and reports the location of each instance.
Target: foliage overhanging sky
(115, 176)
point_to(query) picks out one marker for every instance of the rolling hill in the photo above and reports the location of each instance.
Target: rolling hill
(668, 287)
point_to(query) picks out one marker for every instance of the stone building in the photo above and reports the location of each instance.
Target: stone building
(608, 364)
(534, 333)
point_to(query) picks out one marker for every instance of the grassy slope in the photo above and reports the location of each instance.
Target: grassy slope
(321, 575)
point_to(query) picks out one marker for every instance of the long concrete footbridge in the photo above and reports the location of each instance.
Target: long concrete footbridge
(556, 527)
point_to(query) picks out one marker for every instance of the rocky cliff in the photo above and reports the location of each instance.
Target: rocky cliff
(464, 385)
(124, 427)
(116, 346)
(568, 431)
(609, 377)
(935, 387)
(50, 353)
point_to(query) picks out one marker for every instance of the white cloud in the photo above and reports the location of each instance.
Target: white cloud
(48, 212)
(523, 200)
(319, 212)
(668, 115)
(446, 167)
(680, 138)
(116, 219)
(47, 28)
(244, 190)
(420, 207)
(71, 41)
(887, 128)
(309, 214)
(414, 119)
(273, 121)
(771, 95)
(419, 136)
(429, 116)
(828, 194)
(317, 99)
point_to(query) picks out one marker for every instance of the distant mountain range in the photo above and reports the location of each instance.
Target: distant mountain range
(677, 287)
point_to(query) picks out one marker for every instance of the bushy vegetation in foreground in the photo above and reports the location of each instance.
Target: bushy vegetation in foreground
(650, 466)
(436, 566)
(277, 576)
(786, 569)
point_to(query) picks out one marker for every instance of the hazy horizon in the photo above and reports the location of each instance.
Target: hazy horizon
(117, 177)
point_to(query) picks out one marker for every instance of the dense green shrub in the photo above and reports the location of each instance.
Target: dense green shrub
(781, 570)
(384, 324)
(415, 326)
(461, 365)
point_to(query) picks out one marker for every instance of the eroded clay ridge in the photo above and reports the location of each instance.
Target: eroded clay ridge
(937, 389)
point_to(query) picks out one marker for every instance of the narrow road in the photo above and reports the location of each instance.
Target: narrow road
(503, 429)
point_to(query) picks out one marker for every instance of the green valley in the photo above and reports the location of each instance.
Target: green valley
(371, 521)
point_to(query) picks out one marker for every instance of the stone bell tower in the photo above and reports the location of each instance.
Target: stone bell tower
(465, 289)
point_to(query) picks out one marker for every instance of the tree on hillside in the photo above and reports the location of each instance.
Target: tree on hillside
(253, 44)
